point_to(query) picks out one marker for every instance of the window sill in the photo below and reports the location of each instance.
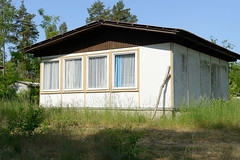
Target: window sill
(97, 90)
(123, 89)
(50, 92)
(73, 91)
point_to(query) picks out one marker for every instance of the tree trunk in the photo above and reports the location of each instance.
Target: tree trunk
(3, 61)
(3, 33)
(25, 69)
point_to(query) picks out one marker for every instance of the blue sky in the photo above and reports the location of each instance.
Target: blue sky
(205, 18)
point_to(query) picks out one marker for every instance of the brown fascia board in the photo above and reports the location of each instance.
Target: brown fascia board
(179, 33)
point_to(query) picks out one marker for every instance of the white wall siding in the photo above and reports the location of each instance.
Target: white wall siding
(180, 63)
(124, 100)
(96, 100)
(224, 87)
(205, 75)
(215, 78)
(198, 75)
(193, 75)
(154, 60)
(50, 100)
(73, 100)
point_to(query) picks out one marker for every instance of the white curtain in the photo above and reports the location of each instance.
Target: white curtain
(97, 72)
(73, 74)
(51, 75)
(128, 70)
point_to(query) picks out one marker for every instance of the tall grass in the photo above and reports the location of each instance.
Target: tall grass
(216, 114)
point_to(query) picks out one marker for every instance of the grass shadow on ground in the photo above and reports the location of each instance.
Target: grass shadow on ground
(92, 143)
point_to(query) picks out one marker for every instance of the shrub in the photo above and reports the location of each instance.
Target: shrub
(25, 120)
(125, 142)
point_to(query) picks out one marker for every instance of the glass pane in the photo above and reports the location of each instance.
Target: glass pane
(97, 72)
(73, 74)
(125, 70)
(51, 75)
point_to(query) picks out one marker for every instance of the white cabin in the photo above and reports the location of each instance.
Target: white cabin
(121, 65)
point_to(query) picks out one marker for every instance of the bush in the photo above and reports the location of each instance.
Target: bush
(24, 121)
(125, 142)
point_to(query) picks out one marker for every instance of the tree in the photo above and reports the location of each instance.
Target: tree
(123, 15)
(7, 90)
(6, 19)
(49, 24)
(225, 43)
(234, 78)
(98, 11)
(25, 34)
(63, 28)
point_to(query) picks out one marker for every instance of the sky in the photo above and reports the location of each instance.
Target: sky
(205, 18)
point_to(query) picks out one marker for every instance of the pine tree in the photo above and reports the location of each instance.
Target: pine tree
(25, 34)
(120, 14)
(98, 11)
(6, 19)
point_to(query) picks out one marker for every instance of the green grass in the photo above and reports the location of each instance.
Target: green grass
(216, 114)
(208, 115)
(73, 133)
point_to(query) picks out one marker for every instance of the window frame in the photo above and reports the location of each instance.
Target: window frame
(64, 73)
(113, 69)
(87, 71)
(59, 74)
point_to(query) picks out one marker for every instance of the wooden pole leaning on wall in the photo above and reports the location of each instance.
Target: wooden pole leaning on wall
(167, 76)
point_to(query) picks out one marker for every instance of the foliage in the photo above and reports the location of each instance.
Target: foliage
(225, 43)
(24, 34)
(98, 11)
(49, 24)
(34, 94)
(63, 28)
(7, 87)
(121, 14)
(234, 78)
(125, 142)
(19, 29)
(24, 120)
(7, 12)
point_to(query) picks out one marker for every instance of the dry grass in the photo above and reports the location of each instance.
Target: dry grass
(191, 144)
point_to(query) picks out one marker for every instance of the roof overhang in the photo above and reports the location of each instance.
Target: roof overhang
(179, 36)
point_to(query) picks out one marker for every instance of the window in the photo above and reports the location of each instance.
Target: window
(51, 75)
(124, 70)
(73, 74)
(97, 72)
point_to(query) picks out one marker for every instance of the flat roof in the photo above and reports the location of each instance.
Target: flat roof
(179, 36)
